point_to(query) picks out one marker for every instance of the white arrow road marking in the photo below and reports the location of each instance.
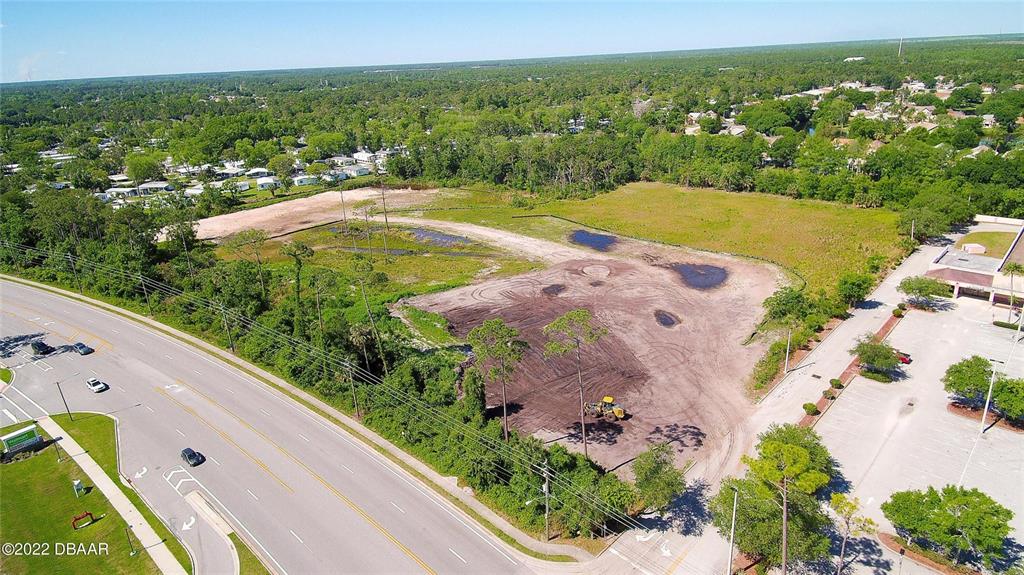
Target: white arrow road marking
(188, 524)
(457, 555)
(650, 535)
(141, 472)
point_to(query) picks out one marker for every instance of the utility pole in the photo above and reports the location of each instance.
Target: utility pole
(352, 385)
(344, 216)
(62, 398)
(547, 494)
(913, 225)
(369, 248)
(373, 326)
(732, 530)
(384, 202)
(789, 342)
(145, 292)
(74, 270)
(227, 328)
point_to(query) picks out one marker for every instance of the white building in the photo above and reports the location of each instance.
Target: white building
(258, 172)
(267, 182)
(153, 187)
(355, 171)
(365, 158)
(305, 180)
(341, 160)
(121, 192)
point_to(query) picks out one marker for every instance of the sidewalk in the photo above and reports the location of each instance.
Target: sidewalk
(369, 437)
(140, 527)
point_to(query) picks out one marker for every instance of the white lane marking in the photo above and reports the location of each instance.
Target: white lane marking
(149, 408)
(48, 323)
(179, 432)
(89, 320)
(299, 539)
(457, 555)
(168, 357)
(29, 399)
(114, 330)
(229, 390)
(121, 389)
(11, 415)
(395, 505)
(94, 372)
(347, 468)
(197, 372)
(213, 459)
(18, 407)
(303, 437)
(264, 412)
(253, 495)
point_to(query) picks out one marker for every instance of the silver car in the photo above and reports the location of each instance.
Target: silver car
(96, 385)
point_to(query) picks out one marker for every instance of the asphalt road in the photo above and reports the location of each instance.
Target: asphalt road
(303, 493)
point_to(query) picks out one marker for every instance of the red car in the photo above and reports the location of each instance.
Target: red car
(903, 357)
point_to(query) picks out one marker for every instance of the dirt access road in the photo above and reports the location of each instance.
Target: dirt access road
(673, 357)
(298, 214)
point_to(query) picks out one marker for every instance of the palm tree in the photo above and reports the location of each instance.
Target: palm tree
(1012, 268)
(569, 333)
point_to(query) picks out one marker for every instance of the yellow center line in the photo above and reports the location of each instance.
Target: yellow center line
(227, 438)
(679, 560)
(351, 504)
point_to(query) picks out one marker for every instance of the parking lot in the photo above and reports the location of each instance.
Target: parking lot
(898, 436)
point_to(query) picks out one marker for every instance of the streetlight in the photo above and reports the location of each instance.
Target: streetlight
(732, 529)
(61, 391)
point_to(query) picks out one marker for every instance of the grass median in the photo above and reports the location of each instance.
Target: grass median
(38, 502)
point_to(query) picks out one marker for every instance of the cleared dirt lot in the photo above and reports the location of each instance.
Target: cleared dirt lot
(673, 358)
(292, 215)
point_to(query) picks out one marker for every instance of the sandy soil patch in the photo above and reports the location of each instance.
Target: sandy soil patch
(293, 215)
(674, 357)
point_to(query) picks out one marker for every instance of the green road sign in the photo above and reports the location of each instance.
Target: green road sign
(21, 439)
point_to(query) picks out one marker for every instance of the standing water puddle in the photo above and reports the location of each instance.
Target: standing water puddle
(599, 242)
(700, 276)
(665, 319)
(553, 289)
(436, 238)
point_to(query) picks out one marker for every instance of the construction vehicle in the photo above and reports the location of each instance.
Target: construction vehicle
(605, 407)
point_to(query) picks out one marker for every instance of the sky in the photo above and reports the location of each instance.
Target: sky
(43, 40)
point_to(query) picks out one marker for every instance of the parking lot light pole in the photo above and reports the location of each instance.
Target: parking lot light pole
(61, 391)
(732, 530)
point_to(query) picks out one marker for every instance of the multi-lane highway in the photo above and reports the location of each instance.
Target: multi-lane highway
(304, 494)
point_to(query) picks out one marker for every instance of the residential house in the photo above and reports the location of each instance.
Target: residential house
(341, 160)
(988, 120)
(364, 158)
(153, 187)
(258, 173)
(60, 185)
(736, 130)
(977, 151)
(928, 126)
(305, 180)
(121, 192)
(854, 59)
(226, 172)
(119, 179)
(355, 171)
(267, 182)
(874, 146)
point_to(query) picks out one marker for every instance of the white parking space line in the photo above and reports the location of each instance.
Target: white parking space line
(264, 412)
(149, 408)
(114, 330)
(297, 538)
(213, 459)
(229, 390)
(168, 357)
(179, 432)
(197, 372)
(303, 437)
(18, 407)
(395, 505)
(253, 495)
(94, 372)
(457, 555)
(121, 389)
(29, 399)
(10, 415)
(347, 468)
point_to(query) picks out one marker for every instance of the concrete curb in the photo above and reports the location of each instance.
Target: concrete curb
(432, 480)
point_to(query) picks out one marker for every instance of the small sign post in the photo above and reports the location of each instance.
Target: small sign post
(79, 488)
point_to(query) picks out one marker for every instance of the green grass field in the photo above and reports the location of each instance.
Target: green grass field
(37, 503)
(820, 240)
(996, 243)
(96, 434)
